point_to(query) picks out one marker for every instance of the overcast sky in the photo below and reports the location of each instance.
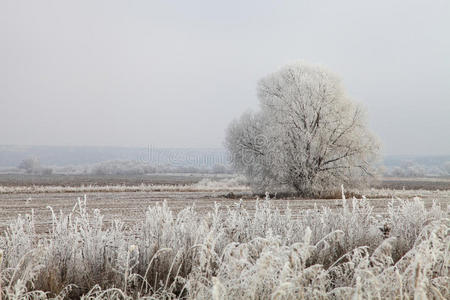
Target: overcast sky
(175, 73)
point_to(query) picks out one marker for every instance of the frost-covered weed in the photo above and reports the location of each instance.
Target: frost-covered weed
(232, 253)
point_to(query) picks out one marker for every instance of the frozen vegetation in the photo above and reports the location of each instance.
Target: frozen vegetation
(235, 183)
(231, 253)
(307, 135)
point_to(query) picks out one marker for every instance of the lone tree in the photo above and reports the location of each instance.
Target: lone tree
(31, 165)
(308, 136)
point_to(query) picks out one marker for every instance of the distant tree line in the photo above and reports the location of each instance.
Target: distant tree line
(32, 165)
(127, 167)
(412, 169)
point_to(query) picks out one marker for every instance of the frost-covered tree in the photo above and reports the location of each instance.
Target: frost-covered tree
(31, 165)
(447, 167)
(308, 135)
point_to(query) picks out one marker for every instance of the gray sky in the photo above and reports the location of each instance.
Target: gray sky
(175, 73)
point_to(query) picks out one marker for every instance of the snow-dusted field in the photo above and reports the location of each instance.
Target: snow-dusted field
(200, 241)
(129, 202)
(327, 249)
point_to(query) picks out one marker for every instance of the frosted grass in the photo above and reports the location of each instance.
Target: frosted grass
(232, 253)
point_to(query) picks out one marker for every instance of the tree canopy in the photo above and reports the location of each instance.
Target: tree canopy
(307, 136)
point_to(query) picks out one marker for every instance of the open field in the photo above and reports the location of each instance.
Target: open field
(101, 180)
(128, 201)
(430, 183)
(356, 248)
(161, 237)
(129, 206)
(124, 214)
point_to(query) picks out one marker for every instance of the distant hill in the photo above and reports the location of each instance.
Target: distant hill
(425, 160)
(417, 165)
(60, 156)
(11, 156)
